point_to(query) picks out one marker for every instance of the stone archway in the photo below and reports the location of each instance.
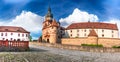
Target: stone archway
(48, 41)
(47, 38)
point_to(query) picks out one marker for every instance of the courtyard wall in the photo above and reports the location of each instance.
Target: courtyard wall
(106, 42)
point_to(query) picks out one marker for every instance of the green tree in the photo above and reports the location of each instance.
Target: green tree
(30, 37)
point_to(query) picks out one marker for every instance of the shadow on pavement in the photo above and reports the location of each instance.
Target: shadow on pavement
(36, 50)
(30, 49)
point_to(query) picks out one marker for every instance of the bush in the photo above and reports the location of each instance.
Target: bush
(116, 47)
(92, 45)
(76, 37)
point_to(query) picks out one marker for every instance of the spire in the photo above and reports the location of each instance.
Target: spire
(93, 33)
(49, 9)
(49, 14)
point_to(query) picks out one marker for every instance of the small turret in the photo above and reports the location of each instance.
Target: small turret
(93, 33)
(93, 37)
(54, 23)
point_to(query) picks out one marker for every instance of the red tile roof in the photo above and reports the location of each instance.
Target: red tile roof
(12, 29)
(94, 25)
(93, 33)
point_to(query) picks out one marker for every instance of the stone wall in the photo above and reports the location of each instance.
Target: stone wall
(80, 48)
(73, 41)
(106, 42)
(109, 42)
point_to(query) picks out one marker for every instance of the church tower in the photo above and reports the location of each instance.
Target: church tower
(50, 28)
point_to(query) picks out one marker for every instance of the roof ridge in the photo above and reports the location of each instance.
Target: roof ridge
(94, 25)
(12, 29)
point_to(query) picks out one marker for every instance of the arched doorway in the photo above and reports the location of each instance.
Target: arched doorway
(47, 40)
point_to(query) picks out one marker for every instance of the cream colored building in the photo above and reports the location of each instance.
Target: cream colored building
(12, 33)
(103, 30)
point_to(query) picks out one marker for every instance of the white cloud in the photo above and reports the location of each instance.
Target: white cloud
(28, 20)
(78, 16)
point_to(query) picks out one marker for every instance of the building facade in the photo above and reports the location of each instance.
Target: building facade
(12, 33)
(103, 30)
(106, 34)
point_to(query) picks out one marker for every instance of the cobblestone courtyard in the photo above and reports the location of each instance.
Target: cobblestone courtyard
(49, 54)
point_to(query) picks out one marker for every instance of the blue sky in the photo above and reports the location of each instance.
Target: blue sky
(33, 12)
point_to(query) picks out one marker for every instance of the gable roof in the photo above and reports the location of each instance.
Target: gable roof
(12, 29)
(93, 33)
(94, 25)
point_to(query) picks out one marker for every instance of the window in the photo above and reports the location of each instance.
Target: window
(14, 39)
(71, 35)
(11, 33)
(112, 31)
(3, 38)
(77, 30)
(102, 30)
(26, 35)
(11, 39)
(22, 35)
(18, 35)
(1, 34)
(71, 30)
(102, 35)
(5, 34)
(6, 39)
(85, 30)
(18, 39)
(61, 31)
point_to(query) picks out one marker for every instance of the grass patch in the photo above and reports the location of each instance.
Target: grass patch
(92, 45)
(116, 47)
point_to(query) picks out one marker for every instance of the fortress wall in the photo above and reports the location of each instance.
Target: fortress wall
(106, 42)
(109, 42)
(77, 41)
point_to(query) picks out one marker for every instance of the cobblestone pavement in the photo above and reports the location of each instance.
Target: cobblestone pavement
(80, 56)
(49, 54)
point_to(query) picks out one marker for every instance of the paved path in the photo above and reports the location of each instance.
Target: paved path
(80, 55)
